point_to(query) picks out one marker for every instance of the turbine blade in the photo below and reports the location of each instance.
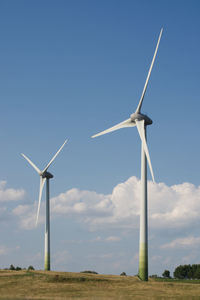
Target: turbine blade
(45, 169)
(140, 127)
(31, 163)
(148, 76)
(126, 123)
(42, 182)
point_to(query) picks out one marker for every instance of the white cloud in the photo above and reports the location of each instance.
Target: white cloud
(107, 239)
(106, 256)
(174, 206)
(9, 194)
(21, 209)
(186, 242)
(61, 257)
(27, 215)
(173, 211)
(112, 239)
(99, 209)
(4, 250)
(79, 202)
(171, 206)
(8, 197)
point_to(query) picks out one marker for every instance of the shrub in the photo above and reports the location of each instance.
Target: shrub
(123, 274)
(79, 279)
(12, 267)
(31, 268)
(153, 276)
(90, 272)
(166, 274)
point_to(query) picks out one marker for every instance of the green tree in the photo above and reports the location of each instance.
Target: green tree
(166, 274)
(196, 275)
(31, 268)
(154, 276)
(12, 267)
(194, 269)
(184, 271)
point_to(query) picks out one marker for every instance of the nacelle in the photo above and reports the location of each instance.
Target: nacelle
(140, 117)
(47, 175)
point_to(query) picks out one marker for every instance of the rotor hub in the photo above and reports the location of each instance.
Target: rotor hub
(47, 175)
(140, 117)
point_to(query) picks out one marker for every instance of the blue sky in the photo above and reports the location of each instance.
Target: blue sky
(70, 69)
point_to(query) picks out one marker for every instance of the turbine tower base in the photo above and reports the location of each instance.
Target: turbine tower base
(143, 252)
(143, 263)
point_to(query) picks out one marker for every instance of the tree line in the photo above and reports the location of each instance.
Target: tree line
(13, 268)
(187, 272)
(184, 272)
(180, 272)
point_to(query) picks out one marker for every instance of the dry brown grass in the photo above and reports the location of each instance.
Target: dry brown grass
(64, 285)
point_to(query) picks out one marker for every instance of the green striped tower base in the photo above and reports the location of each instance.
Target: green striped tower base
(143, 262)
(47, 262)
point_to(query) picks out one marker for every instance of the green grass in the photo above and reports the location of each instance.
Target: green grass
(61, 278)
(64, 285)
(192, 281)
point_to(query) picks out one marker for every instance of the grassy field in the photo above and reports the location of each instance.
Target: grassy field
(63, 285)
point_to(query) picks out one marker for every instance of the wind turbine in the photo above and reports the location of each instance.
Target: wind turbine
(44, 177)
(141, 121)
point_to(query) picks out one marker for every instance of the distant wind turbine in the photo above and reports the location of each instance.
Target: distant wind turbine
(44, 177)
(141, 121)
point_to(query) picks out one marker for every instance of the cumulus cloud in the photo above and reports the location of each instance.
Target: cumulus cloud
(174, 206)
(8, 197)
(80, 202)
(9, 194)
(185, 242)
(171, 206)
(99, 209)
(172, 211)
(26, 215)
